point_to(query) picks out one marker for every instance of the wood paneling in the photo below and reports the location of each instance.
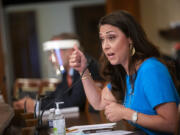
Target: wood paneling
(2, 66)
(131, 6)
(24, 44)
(86, 24)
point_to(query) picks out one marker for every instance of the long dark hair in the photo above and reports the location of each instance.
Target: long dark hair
(143, 49)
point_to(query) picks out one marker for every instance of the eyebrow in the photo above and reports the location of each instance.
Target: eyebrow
(109, 32)
(106, 32)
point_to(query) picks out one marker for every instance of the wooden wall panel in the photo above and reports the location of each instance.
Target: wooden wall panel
(24, 44)
(2, 66)
(86, 24)
(131, 6)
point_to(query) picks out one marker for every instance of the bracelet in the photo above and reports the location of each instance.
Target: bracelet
(86, 76)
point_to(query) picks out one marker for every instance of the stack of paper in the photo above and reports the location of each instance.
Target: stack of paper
(92, 127)
(70, 110)
(117, 132)
(80, 130)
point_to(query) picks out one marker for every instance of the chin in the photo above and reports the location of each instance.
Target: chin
(113, 63)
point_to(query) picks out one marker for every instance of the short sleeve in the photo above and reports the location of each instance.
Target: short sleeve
(158, 85)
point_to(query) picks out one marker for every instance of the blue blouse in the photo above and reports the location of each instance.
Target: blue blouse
(153, 86)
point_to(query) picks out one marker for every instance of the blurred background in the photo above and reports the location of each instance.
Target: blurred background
(26, 24)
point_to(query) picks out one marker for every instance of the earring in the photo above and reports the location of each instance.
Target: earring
(132, 49)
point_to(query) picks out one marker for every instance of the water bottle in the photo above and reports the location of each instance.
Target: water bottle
(50, 120)
(59, 121)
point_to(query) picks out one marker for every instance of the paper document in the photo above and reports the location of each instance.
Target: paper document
(93, 127)
(70, 110)
(64, 110)
(117, 132)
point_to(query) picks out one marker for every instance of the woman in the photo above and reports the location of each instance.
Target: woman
(138, 78)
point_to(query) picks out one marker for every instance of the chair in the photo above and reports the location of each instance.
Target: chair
(26, 87)
(28, 131)
(31, 122)
(48, 85)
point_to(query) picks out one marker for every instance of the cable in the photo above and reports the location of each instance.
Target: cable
(66, 91)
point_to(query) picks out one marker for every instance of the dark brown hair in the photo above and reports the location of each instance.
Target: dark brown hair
(143, 49)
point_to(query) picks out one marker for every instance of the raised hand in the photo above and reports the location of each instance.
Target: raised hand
(77, 60)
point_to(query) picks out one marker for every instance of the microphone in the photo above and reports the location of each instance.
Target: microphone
(89, 61)
(37, 106)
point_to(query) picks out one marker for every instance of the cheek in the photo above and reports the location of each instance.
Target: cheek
(123, 45)
(103, 49)
(122, 50)
(104, 52)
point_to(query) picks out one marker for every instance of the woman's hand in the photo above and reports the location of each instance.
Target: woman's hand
(77, 60)
(114, 111)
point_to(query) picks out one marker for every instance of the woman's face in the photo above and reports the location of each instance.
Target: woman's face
(115, 44)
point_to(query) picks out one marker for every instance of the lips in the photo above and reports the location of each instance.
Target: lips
(110, 55)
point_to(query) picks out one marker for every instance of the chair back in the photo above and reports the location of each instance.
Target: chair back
(48, 85)
(26, 87)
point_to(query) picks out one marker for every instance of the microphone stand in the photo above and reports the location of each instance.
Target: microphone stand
(66, 91)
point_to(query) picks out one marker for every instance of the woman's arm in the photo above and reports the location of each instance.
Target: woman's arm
(94, 94)
(97, 97)
(164, 121)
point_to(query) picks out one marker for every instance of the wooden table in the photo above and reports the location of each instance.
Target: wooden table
(6, 115)
(82, 118)
(86, 118)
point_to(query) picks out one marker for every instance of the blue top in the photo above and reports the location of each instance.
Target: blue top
(153, 86)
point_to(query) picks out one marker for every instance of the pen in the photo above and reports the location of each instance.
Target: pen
(68, 131)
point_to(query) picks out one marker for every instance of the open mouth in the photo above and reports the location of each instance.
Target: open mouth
(110, 55)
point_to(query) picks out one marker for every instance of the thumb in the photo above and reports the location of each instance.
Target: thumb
(77, 49)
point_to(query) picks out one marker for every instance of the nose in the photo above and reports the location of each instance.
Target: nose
(106, 44)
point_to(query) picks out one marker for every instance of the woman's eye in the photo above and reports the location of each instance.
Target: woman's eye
(111, 37)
